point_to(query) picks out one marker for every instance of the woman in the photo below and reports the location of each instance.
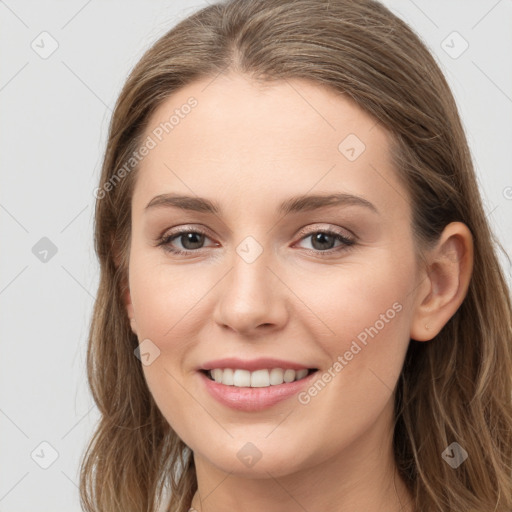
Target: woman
(300, 304)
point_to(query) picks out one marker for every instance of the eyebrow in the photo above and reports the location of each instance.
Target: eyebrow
(294, 204)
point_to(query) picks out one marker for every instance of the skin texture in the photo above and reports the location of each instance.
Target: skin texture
(249, 148)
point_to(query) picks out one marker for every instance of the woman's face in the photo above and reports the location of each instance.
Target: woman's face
(272, 274)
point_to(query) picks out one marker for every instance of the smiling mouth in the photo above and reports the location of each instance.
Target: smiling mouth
(258, 378)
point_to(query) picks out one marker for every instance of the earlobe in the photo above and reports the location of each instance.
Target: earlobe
(127, 300)
(125, 287)
(448, 274)
(133, 325)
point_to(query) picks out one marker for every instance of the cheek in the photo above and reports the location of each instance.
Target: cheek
(355, 298)
(368, 314)
(169, 303)
(165, 298)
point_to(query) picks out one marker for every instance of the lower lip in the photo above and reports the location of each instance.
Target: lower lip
(254, 399)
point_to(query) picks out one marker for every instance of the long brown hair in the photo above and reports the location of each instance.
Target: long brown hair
(455, 388)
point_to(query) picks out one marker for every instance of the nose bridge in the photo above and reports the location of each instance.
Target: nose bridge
(250, 295)
(250, 273)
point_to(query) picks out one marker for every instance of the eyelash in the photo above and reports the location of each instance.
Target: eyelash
(347, 243)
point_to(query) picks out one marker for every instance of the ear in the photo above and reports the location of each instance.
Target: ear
(127, 300)
(125, 287)
(448, 273)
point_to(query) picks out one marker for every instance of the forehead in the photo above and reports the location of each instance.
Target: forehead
(232, 138)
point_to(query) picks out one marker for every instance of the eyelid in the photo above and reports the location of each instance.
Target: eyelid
(184, 228)
(347, 241)
(178, 231)
(347, 233)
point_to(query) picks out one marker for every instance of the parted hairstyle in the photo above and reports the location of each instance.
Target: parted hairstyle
(454, 388)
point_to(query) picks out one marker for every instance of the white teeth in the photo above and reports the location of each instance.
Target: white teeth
(276, 376)
(257, 379)
(300, 374)
(241, 378)
(227, 376)
(260, 379)
(289, 375)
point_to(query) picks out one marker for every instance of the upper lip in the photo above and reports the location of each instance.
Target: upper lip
(252, 364)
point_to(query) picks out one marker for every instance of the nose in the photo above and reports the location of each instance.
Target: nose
(252, 298)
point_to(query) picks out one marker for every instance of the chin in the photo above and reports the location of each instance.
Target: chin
(255, 460)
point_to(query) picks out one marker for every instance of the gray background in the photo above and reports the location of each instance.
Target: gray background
(54, 118)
